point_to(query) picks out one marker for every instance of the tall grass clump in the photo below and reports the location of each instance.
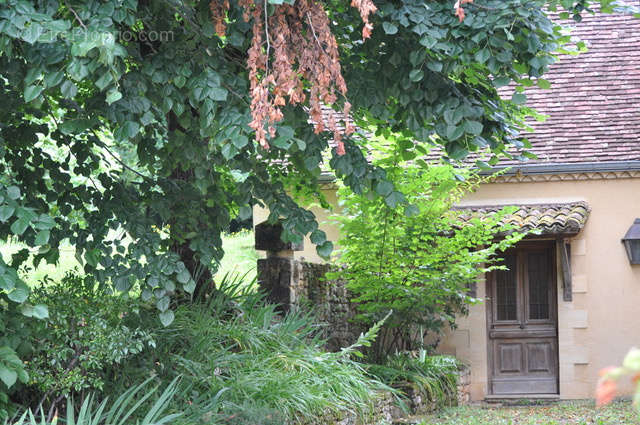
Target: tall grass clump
(242, 362)
(433, 376)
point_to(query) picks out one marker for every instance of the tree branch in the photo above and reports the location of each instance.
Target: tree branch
(76, 15)
(105, 147)
(266, 31)
(481, 7)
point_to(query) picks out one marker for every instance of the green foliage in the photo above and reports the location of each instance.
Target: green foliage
(88, 331)
(416, 259)
(242, 363)
(133, 117)
(434, 377)
(15, 310)
(122, 411)
(128, 120)
(11, 370)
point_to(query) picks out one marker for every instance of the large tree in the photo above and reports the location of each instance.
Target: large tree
(219, 106)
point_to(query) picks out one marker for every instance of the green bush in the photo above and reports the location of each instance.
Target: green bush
(17, 315)
(88, 332)
(418, 261)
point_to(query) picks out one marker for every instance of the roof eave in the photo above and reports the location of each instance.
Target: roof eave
(560, 168)
(541, 169)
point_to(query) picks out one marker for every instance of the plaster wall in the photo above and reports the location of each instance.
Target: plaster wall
(601, 323)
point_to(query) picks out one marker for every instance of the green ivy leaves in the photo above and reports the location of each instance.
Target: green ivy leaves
(389, 28)
(166, 317)
(19, 293)
(38, 311)
(32, 92)
(152, 136)
(6, 211)
(13, 192)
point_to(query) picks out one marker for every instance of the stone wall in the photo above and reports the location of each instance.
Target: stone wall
(464, 386)
(385, 409)
(331, 304)
(301, 286)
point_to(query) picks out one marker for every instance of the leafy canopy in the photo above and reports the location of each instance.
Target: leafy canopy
(84, 81)
(128, 127)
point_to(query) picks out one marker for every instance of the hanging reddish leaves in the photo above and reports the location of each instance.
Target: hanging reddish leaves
(458, 10)
(366, 8)
(219, 11)
(293, 59)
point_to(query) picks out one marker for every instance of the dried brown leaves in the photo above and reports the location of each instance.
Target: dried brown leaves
(366, 8)
(293, 59)
(458, 10)
(219, 11)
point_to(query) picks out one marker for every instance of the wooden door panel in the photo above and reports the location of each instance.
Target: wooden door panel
(524, 356)
(540, 357)
(508, 358)
(524, 366)
(522, 321)
(509, 386)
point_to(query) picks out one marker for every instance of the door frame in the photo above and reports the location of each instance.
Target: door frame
(490, 288)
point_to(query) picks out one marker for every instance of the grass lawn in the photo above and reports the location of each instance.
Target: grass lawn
(53, 271)
(240, 257)
(564, 413)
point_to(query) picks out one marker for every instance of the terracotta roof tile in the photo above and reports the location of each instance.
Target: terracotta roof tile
(592, 106)
(547, 219)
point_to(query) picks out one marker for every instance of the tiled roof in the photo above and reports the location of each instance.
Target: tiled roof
(593, 105)
(594, 101)
(547, 219)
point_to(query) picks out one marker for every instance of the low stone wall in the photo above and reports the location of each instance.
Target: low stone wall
(330, 302)
(387, 411)
(464, 386)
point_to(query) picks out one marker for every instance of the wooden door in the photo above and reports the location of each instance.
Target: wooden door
(522, 322)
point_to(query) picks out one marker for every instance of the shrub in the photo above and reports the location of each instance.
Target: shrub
(16, 317)
(88, 331)
(418, 261)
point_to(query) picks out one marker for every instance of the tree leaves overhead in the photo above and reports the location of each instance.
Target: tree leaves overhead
(434, 75)
(127, 126)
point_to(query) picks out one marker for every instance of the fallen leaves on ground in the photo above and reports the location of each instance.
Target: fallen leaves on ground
(564, 413)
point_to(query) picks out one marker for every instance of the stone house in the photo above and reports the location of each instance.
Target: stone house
(570, 303)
